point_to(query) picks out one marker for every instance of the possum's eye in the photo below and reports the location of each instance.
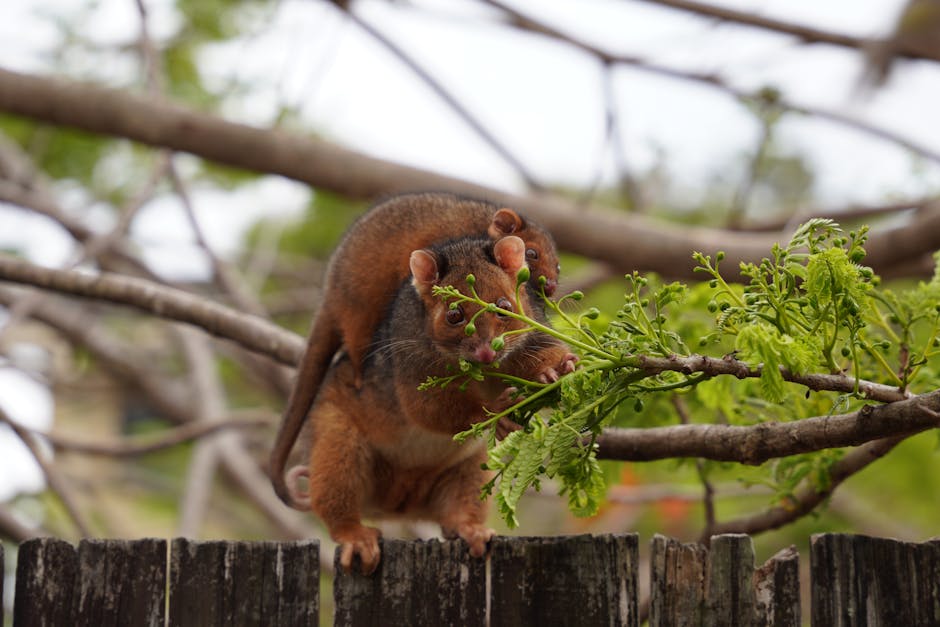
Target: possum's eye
(503, 303)
(531, 254)
(454, 316)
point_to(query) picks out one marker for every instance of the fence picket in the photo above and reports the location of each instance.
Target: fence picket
(416, 583)
(860, 580)
(691, 585)
(244, 583)
(571, 580)
(46, 569)
(101, 583)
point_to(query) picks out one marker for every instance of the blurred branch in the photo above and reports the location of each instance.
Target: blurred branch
(232, 285)
(449, 99)
(21, 185)
(208, 405)
(117, 359)
(712, 80)
(851, 213)
(629, 242)
(708, 490)
(803, 33)
(15, 531)
(97, 245)
(54, 479)
(132, 369)
(251, 332)
(809, 497)
(143, 445)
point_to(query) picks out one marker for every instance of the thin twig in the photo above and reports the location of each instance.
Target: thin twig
(138, 446)
(714, 81)
(449, 99)
(804, 33)
(12, 529)
(708, 495)
(54, 479)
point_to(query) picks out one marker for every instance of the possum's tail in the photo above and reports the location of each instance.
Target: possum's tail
(322, 344)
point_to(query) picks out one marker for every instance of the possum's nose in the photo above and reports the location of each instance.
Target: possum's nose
(484, 354)
(550, 286)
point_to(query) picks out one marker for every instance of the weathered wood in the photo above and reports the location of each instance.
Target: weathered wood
(120, 582)
(777, 585)
(874, 582)
(101, 583)
(416, 583)
(244, 583)
(46, 570)
(2, 581)
(729, 595)
(574, 580)
(677, 583)
(690, 585)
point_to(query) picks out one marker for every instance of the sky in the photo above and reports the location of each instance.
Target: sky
(543, 99)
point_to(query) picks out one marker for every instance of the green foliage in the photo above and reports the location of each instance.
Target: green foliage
(808, 308)
(319, 232)
(60, 152)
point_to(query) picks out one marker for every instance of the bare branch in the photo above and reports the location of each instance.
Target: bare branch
(758, 443)
(80, 327)
(708, 490)
(712, 366)
(809, 497)
(714, 81)
(628, 242)
(449, 99)
(138, 446)
(249, 331)
(14, 530)
(54, 479)
(803, 33)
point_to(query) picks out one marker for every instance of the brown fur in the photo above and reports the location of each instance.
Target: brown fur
(366, 271)
(385, 448)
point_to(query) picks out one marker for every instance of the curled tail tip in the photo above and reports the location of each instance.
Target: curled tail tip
(294, 496)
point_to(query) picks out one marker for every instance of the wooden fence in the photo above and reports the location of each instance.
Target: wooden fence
(573, 580)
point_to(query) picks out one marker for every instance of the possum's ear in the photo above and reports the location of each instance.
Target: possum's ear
(424, 273)
(510, 254)
(505, 222)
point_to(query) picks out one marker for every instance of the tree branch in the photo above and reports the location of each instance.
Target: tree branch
(627, 242)
(14, 530)
(803, 33)
(758, 443)
(808, 498)
(54, 479)
(138, 446)
(817, 382)
(448, 98)
(249, 331)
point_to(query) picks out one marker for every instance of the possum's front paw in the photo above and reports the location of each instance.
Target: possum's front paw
(550, 374)
(477, 536)
(362, 541)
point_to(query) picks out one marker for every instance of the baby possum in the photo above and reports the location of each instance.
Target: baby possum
(366, 270)
(385, 448)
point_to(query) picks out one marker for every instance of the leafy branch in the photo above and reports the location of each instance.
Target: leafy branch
(810, 314)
